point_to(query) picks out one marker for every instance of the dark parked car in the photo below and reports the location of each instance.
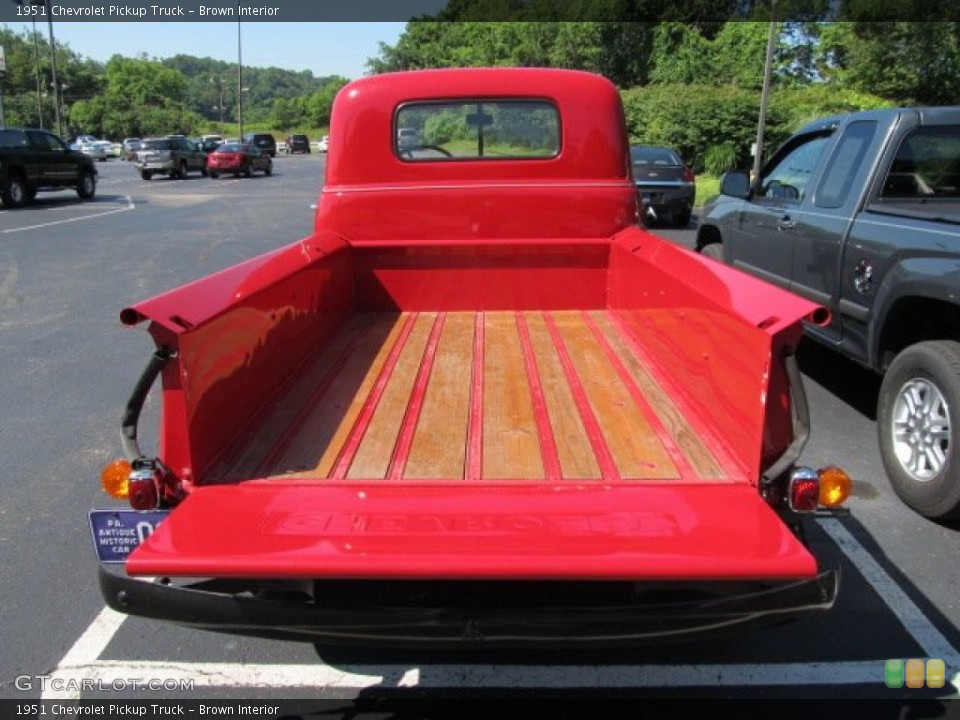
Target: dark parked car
(667, 187)
(174, 155)
(238, 159)
(298, 143)
(264, 142)
(32, 160)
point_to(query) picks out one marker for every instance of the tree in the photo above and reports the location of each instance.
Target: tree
(904, 62)
(319, 105)
(140, 98)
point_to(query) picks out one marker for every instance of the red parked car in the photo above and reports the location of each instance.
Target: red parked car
(238, 159)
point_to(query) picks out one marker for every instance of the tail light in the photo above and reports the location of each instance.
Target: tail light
(809, 489)
(138, 482)
(688, 175)
(144, 486)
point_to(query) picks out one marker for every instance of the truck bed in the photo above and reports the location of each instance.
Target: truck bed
(478, 397)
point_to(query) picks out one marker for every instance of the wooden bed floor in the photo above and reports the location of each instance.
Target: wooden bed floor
(492, 397)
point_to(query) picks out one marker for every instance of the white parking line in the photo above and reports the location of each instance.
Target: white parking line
(82, 661)
(129, 206)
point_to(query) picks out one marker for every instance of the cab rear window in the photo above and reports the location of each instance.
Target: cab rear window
(477, 130)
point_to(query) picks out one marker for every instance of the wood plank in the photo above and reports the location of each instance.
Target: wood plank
(439, 445)
(314, 449)
(511, 447)
(636, 449)
(703, 462)
(577, 460)
(376, 449)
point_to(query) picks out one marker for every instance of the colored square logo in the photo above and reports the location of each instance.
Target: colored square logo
(893, 673)
(914, 674)
(936, 673)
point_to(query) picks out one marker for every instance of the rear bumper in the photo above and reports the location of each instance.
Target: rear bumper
(243, 608)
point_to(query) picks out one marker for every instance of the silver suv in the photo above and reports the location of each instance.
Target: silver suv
(172, 155)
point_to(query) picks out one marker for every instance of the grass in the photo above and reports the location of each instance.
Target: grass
(707, 187)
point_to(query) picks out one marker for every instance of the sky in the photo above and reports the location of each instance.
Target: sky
(325, 48)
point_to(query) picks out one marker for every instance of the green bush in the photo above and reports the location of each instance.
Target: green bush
(713, 128)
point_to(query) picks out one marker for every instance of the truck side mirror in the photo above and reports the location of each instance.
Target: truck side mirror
(735, 183)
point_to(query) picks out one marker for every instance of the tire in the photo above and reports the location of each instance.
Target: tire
(918, 427)
(213, 175)
(682, 219)
(18, 192)
(268, 169)
(248, 171)
(714, 251)
(184, 169)
(146, 174)
(87, 186)
(203, 171)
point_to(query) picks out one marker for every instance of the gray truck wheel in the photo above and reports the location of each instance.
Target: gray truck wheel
(918, 423)
(17, 194)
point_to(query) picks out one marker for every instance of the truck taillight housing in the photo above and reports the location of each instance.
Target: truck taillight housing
(139, 483)
(810, 489)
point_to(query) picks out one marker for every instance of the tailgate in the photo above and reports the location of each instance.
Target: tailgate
(641, 532)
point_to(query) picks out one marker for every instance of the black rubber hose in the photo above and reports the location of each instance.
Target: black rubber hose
(131, 413)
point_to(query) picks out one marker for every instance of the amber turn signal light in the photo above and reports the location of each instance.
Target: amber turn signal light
(115, 479)
(835, 486)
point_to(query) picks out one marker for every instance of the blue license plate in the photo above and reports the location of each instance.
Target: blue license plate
(117, 533)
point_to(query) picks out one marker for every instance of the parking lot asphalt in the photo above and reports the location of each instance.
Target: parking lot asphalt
(68, 268)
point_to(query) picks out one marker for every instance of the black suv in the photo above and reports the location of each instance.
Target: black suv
(264, 142)
(174, 155)
(298, 143)
(32, 160)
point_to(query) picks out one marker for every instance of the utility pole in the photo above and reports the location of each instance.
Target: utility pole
(765, 94)
(53, 70)
(36, 66)
(239, 77)
(3, 76)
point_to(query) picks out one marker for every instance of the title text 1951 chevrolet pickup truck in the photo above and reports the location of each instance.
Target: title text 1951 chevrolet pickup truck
(478, 406)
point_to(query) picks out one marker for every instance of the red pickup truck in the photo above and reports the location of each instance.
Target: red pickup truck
(479, 406)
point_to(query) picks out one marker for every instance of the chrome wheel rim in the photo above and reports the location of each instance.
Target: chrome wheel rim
(18, 193)
(921, 429)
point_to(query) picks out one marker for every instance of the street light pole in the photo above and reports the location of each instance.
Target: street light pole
(765, 94)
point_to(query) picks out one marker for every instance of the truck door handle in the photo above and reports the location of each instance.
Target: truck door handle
(785, 223)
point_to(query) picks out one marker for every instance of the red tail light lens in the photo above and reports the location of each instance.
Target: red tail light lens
(804, 491)
(688, 175)
(144, 486)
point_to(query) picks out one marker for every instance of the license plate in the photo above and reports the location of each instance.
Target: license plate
(117, 533)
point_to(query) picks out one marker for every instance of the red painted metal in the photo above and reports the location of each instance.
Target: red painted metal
(608, 467)
(548, 444)
(302, 530)
(560, 274)
(405, 441)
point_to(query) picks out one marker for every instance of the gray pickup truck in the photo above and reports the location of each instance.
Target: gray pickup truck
(861, 213)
